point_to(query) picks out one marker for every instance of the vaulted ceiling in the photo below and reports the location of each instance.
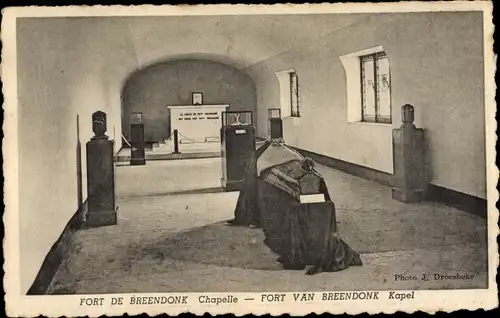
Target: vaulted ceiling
(239, 40)
(110, 49)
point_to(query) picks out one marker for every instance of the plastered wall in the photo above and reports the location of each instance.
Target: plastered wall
(152, 89)
(63, 71)
(436, 65)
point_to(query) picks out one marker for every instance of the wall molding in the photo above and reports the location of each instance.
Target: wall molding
(350, 168)
(57, 253)
(458, 200)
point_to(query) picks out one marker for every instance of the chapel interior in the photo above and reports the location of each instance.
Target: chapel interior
(153, 100)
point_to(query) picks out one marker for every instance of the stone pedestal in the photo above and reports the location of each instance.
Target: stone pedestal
(410, 177)
(276, 128)
(237, 149)
(275, 123)
(100, 184)
(137, 153)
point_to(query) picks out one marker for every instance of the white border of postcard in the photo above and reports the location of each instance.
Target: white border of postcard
(69, 305)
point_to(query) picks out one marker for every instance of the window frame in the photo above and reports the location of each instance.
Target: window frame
(374, 57)
(293, 113)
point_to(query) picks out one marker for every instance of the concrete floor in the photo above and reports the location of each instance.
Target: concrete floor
(170, 237)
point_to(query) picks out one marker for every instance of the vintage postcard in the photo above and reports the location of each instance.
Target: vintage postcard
(249, 159)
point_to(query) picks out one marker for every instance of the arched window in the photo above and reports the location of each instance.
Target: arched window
(289, 93)
(368, 82)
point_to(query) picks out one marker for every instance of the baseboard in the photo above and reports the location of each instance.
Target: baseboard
(350, 168)
(56, 254)
(459, 200)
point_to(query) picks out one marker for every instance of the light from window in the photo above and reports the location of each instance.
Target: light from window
(294, 98)
(375, 88)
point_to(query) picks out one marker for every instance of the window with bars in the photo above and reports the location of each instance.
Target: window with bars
(294, 95)
(376, 88)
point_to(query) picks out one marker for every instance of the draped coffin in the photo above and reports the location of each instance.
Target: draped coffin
(300, 233)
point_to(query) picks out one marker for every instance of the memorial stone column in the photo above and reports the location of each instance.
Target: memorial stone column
(100, 176)
(410, 177)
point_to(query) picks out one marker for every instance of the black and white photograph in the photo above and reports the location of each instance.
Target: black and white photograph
(283, 159)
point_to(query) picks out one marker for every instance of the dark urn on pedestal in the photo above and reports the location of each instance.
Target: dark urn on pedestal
(100, 176)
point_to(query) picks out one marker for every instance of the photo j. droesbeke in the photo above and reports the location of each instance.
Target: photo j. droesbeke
(249, 159)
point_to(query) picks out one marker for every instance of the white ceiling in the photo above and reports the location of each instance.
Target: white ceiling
(237, 40)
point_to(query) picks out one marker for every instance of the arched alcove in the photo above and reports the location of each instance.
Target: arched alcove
(151, 89)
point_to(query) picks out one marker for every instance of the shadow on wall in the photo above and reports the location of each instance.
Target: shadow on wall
(150, 90)
(79, 177)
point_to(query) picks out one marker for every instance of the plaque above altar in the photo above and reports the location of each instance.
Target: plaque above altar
(197, 123)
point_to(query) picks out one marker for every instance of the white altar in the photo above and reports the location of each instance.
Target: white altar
(197, 123)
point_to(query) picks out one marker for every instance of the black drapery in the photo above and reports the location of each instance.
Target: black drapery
(247, 210)
(301, 234)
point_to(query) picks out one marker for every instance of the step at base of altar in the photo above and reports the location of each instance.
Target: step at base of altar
(165, 151)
